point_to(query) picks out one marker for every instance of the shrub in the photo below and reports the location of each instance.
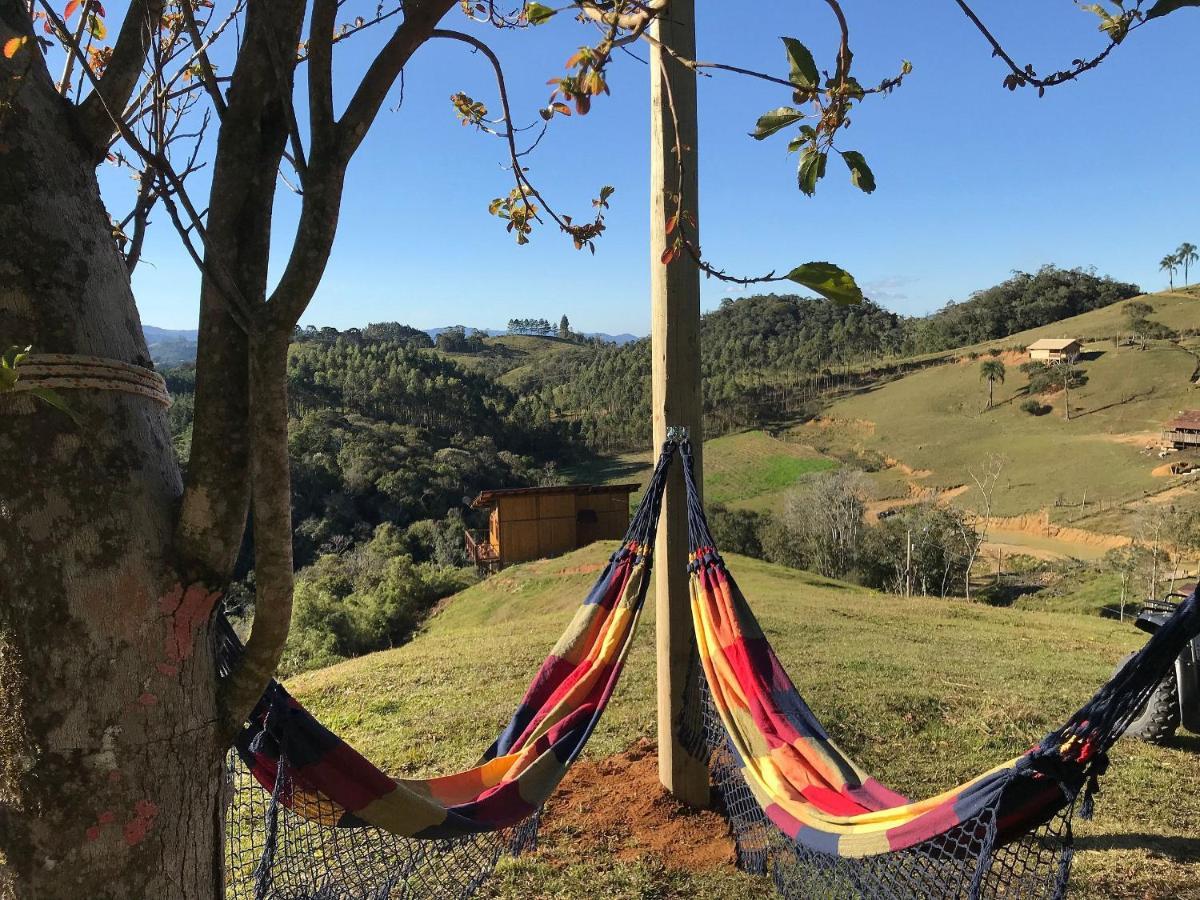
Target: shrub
(369, 598)
(737, 530)
(941, 540)
(1034, 407)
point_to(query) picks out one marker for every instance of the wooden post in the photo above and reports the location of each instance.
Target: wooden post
(675, 341)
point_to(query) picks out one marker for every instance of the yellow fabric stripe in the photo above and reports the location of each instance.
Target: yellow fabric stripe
(762, 772)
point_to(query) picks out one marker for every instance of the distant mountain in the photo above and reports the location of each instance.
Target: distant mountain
(176, 346)
(619, 339)
(170, 346)
(153, 334)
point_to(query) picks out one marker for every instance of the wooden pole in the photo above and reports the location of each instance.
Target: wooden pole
(675, 341)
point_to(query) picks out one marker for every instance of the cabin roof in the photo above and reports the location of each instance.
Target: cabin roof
(1188, 420)
(488, 498)
(1053, 343)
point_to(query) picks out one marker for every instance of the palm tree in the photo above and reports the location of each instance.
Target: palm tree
(1169, 264)
(1185, 256)
(991, 371)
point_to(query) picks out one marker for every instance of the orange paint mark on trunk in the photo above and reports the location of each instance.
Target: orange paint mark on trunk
(186, 610)
(136, 829)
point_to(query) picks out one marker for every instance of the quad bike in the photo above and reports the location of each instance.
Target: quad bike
(1176, 699)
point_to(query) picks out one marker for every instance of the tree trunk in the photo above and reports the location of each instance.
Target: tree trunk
(109, 764)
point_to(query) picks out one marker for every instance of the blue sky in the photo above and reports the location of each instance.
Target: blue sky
(974, 181)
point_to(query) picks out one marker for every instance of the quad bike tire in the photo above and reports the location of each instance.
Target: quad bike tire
(1157, 721)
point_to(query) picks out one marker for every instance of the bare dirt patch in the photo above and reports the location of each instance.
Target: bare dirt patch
(1141, 439)
(617, 806)
(907, 469)
(1011, 358)
(1039, 524)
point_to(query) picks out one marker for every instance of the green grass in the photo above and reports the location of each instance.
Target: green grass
(934, 419)
(926, 693)
(509, 357)
(748, 470)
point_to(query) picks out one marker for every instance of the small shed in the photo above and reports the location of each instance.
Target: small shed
(533, 523)
(1054, 349)
(1184, 430)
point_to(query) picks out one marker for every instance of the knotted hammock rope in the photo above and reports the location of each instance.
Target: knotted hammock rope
(69, 371)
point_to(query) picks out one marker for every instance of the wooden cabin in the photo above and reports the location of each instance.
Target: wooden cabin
(533, 523)
(1054, 349)
(1183, 431)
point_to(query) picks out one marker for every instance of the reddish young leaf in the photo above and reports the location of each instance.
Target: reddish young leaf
(70, 10)
(672, 223)
(13, 45)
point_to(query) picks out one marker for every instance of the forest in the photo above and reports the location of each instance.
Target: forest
(773, 357)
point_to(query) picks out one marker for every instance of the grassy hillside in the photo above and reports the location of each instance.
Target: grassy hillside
(933, 422)
(510, 356)
(925, 693)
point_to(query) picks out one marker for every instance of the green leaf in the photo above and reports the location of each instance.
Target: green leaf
(860, 173)
(537, 14)
(830, 281)
(1163, 7)
(812, 169)
(776, 119)
(804, 67)
(53, 399)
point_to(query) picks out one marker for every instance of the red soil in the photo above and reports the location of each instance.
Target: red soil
(617, 806)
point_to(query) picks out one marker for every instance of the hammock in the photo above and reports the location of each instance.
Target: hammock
(335, 825)
(804, 810)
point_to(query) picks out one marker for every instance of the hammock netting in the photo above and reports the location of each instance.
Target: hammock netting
(804, 813)
(308, 818)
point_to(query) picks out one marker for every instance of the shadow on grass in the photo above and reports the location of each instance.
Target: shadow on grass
(1143, 395)
(1174, 848)
(603, 470)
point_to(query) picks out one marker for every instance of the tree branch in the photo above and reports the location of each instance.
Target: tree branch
(272, 504)
(320, 75)
(207, 76)
(115, 87)
(1021, 76)
(420, 19)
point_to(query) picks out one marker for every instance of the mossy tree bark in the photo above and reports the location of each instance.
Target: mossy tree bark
(112, 721)
(109, 756)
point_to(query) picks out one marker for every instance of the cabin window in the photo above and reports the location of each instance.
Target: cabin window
(586, 517)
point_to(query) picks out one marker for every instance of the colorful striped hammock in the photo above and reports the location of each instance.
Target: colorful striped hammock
(316, 775)
(816, 795)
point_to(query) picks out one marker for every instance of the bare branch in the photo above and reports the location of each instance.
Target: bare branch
(114, 88)
(1027, 75)
(207, 76)
(419, 22)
